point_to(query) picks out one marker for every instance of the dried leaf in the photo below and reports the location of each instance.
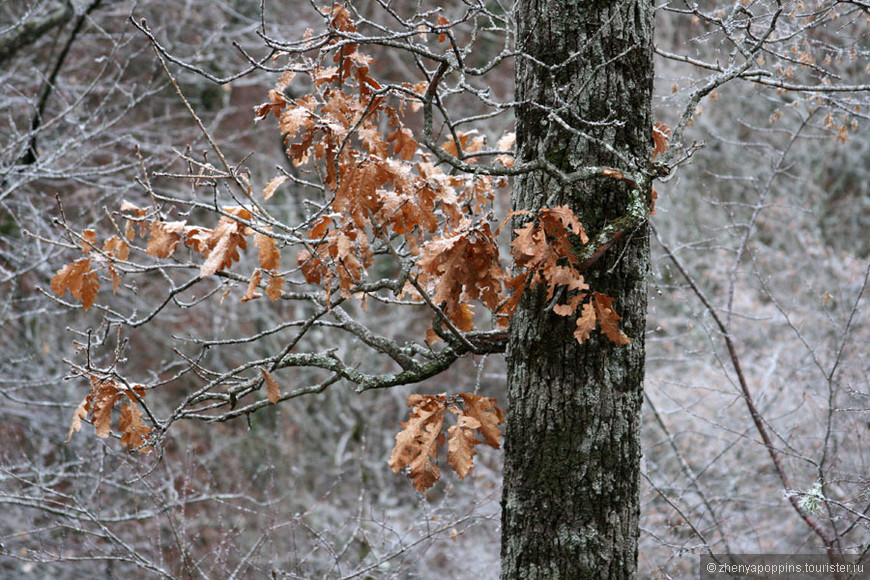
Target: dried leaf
(462, 315)
(417, 442)
(240, 212)
(341, 19)
(225, 242)
(311, 265)
(570, 307)
(273, 393)
(469, 142)
(276, 104)
(570, 278)
(81, 281)
(275, 287)
(373, 141)
(320, 228)
(116, 279)
(506, 143)
(80, 413)
(608, 318)
(164, 238)
(419, 89)
(139, 213)
(529, 247)
(273, 184)
(251, 292)
(463, 267)
(219, 258)
(102, 398)
(322, 76)
(568, 220)
(442, 21)
(422, 471)
(89, 238)
(117, 248)
(460, 445)
(127, 206)
(270, 256)
(293, 119)
(133, 430)
(285, 80)
(585, 323)
(485, 411)
(404, 145)
(199, 239)
(661, 134)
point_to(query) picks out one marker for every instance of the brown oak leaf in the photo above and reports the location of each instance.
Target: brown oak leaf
(251, 292)
(417, 442)
(133, 430)
(661, 134)
(585, 323)
(485, 411)
(608, 318)
(275, 287)
(81, 281)
(80, 413)
(164, 238)
(273, 392)
(460, 444)
(273, 184)
(101, 400)
(270, 256)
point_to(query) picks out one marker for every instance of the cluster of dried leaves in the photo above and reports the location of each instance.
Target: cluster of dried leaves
(543, 247)
(422, 435)
(384, 193)
(219, 248)
(97, 408)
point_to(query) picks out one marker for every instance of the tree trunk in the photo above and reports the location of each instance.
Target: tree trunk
(572, 449)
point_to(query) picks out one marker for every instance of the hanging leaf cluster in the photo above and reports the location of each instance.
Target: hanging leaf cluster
(97, 408)
(422, 435)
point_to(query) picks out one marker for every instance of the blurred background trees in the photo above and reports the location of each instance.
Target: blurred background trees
(760, 264)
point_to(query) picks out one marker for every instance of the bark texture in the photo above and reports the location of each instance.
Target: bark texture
(572, 449)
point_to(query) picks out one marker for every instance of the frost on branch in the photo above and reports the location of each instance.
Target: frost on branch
(421, 436)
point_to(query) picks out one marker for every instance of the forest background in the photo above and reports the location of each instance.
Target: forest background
(760, 256)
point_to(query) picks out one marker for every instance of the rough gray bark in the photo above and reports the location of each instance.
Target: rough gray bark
(572, 450)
